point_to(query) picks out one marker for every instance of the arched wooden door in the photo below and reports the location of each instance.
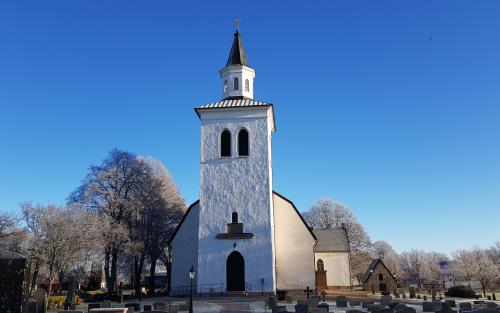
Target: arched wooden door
(235, 272)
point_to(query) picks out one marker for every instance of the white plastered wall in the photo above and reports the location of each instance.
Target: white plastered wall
(185, 248)
(294, 248)
(336, 267)
(236, 184)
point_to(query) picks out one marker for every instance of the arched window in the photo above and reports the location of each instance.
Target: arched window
(247, 85)
(225, 144)
(234, 218)
(225, 86)
(236, 84)
(380, 277)
(243, 143)
(320, 265)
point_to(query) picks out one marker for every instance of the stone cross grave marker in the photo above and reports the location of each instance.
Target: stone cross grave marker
(308, 291)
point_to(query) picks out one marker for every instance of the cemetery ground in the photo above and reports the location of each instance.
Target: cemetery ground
(337, 301)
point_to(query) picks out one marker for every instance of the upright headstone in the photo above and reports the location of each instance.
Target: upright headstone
(120, 292)
(40, 297)
(12, 267)
(147, 308)
(354, 301)
(278, 308)
(106, 304)
(160, 306)
(494, 296)
(341, 302)
(324, 306)
(174, 308)
(319, 310)
(465, 306)
(366, 302)
(412, 292)
(302, 308)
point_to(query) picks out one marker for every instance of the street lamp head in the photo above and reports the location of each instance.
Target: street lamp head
(262, 281)
(192, 273)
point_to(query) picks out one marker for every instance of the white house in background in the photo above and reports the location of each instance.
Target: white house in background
(241, 235)
(332, 257)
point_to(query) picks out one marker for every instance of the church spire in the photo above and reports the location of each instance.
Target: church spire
(237, 76)
(237, 55)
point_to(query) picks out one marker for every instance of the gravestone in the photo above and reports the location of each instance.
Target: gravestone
(147, 308)
(491, 305)
(302, 308)
(70, 311)
(407, 310)
(308, 291)
(120, 292)
(404, 295)
(278, 308)
(272, 301)
(40, 297)
(319, 310)
(464, 306)
(418, 297)
(374, 308)
(446, 308)
(135, 305)
(494, 296)
(392, 305)
(354, 311)
(106, 305)
(397, 295)
(385, 300)
(384, 310)
(451, 303)
(160, 306)
(313, 303)
(425, 298)
(354, 302)
(93, 306)
(412, 292)
(365, 303)
(341, 302)
(109, 310)
(399, 307)
(12, 266)
(174, 308)
(323, 296)
(324, 306)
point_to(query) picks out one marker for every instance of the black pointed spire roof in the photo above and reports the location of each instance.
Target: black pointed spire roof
(237, 55)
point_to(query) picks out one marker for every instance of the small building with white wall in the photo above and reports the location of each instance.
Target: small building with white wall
(241, 235)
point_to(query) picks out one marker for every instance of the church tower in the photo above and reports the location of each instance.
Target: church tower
(236, 217)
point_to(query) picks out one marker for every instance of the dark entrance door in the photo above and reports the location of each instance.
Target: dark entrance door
(235, 272)
(383, 287)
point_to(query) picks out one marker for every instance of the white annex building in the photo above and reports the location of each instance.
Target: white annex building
(241, 235)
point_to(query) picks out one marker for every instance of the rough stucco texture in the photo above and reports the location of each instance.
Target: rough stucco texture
(294, 248)
(236, 184)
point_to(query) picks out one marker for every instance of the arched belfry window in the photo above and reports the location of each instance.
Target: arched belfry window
(320, 265)
(247, 85)
(236, 83)
(234, 218)
(225, 144)
(243, 143)
(225, 86)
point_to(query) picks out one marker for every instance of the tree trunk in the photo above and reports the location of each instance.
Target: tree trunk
(61, 280)
(152, 272)
(35, 276)
(138, 266)
(484, 288)
(107, 275)
(114, 261)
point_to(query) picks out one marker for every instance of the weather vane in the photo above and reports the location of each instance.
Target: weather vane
(237, 22)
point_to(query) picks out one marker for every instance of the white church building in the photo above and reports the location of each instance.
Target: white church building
(241, 235)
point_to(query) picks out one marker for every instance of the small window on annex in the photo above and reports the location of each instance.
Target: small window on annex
(243, 143)
(320, 265)
(225, 144)
(247, 85)
(234, 218)
(236, 84)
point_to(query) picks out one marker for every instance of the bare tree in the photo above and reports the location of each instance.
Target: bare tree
(413, 264)
(163, 210)
(485, 271)
(112, 190)
(464, 265)
(12, 235)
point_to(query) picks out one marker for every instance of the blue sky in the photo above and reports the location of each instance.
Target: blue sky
(392, 107)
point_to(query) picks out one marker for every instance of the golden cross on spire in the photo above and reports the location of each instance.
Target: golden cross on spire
(237, 22)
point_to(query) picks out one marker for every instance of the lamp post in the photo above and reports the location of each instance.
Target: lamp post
(371, 276)
(262, 286)
(192, 274)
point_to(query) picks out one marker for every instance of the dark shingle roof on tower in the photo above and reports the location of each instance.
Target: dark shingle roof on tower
(331, 240)
(237, 55)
